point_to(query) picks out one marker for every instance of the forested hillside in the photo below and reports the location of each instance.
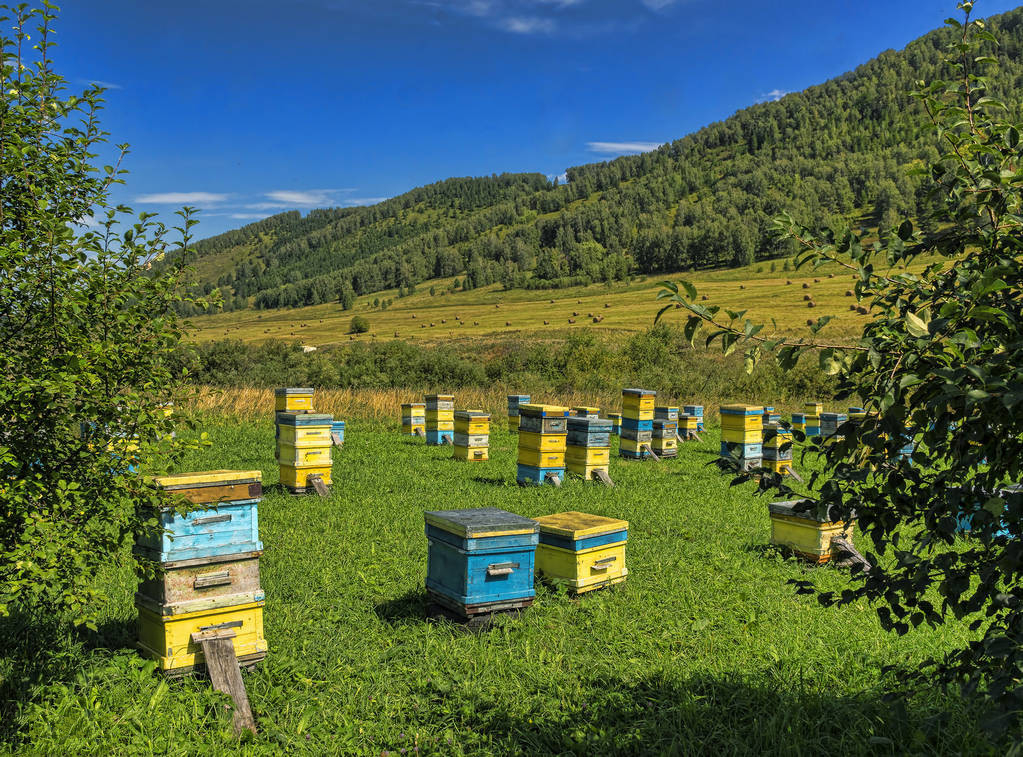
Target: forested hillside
(835, 153)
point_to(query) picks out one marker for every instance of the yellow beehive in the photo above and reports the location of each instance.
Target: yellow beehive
(586, 471)
(539, 459)
(664, 445)
(305, 436)
(297, 477)
(588, 455)
(688, 423)
(288, 454)
(778, 466)
(582, 551)
(440, 415)
(168, 638)
(631, 445)
(293, 400)
(471, 453)
(542, 442)
(412, 428)
(641, 403)
(805, 534)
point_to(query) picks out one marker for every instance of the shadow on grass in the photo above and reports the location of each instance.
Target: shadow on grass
(411, 607)
(773, 714)
(493, 481)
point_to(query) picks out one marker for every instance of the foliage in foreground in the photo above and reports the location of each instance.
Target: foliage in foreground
(939, 365)
(86, 333)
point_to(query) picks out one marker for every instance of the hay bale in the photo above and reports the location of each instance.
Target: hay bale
(849, 293)
(805, 285)
(811, 304)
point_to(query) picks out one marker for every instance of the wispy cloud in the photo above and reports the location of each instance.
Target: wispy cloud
(622, 148)
(182, 198)
(774, 94)
(100, 83)
(364, 200)
(306, 197)
(527, 25)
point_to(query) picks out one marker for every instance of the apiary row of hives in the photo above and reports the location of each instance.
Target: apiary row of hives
(472, 435)
(207, 580)
(304, 439)
(440, 419)
(485, 560)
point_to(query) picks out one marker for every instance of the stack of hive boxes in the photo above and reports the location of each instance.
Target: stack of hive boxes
(583, 411)
(688, 426)
(616, 423)
(799, 422)
(514, 401)
(413, 418)
(637, 423)
(806, 532)
(472, 435)
(582, 551)
(775, 458)
(480, 561)
(440, 418)
(208, 572)
(542, 439)
(830, 423)
(303, 439)
(812, 418)
(588, 447)
(770, 416)
(665, 432)
(742, 434)
(696, 410)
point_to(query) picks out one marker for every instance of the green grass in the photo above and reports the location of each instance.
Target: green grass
(705, 650)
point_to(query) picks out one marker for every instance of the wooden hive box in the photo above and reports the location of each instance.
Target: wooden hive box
(589, 432)
(584, 411)
(636, 430)
(616, 422)
(542, 442)
(582, 551)
(472, 422)
(666, 413)
(296, 477)
(540, 459)
(664, 429)
(440, 402)
(638, 404)
(696, 410)
(665, 447)
(807, 534)
(228, 524)
(293, 400)
(577, 458)
(168, 638)
(205, 583)
(633, 449)
(531, 475)
(481, 560)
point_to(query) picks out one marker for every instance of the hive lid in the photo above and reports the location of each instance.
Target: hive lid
(293, 390)
(795, 508)
(413, 404)
(480, 522)
(590, 425)
(543, 411)
(833, 416)
(518, 397)
(575, 525)
(666, 409)
(738, 409)
(465, 415)
(207, 478)
(638, 392)
(304, 419)
(440, 397)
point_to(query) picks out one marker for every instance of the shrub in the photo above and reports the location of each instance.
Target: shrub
(359, 325)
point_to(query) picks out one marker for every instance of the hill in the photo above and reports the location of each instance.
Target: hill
(833, 154)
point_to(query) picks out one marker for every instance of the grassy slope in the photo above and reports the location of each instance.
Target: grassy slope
(522, 313)
(704, 650)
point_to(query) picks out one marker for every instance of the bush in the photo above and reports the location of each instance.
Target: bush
(359, 325)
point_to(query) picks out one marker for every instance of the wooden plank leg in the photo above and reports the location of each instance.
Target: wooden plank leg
(420, 433)
(445, 439)
(553, 479)
(337, 439)
(317, 483)
(693, 433)
(218, 649)
(650, 451)
(602, 477)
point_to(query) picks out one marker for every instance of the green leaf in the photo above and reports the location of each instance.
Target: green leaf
(916, 325)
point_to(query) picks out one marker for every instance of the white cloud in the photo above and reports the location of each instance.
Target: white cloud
(527, 25)
(310, 198)
(182, 198)
(621, 148)
(772, 96)
(100, 83)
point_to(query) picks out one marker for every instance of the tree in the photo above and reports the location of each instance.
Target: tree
(939, 365)
(88, 326)
(359, 325)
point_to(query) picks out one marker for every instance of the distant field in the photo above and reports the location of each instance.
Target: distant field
(706, 649)
(492, 311)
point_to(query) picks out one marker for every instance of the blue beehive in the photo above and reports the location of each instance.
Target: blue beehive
(696, 410)
(437, 437)
(589, 432)
(964, 523)
(530, 474)
(480, 561)
(337, 428)
(744, 451)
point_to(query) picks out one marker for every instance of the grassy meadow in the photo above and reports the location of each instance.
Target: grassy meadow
(452, 315)
(705, 650)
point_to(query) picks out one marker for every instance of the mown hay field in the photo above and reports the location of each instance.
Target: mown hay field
(705, 650)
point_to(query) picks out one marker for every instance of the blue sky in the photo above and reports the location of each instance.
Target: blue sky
(246, 108)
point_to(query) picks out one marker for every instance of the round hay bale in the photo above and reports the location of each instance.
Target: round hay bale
(805, 285)
(807, 297)
(811, 304)
(849, 293)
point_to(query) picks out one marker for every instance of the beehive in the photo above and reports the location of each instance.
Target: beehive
(665, 438)
(742, 434)
(472, 435)
(770, 415)
(830, 423)
(208, 570)
(514, 401)
(696, 410)
(304, 449)
(584, 411)
(798, 422)
(812, 418)
(637, 423)
(666, 413)
(589, 446)
(616, 423)
(688, 426)
(582, 551)
(480, 561)
(413, 418)
(440, 418)
(542, 436)
(776, 457)
(806, 533)
(293, 400)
